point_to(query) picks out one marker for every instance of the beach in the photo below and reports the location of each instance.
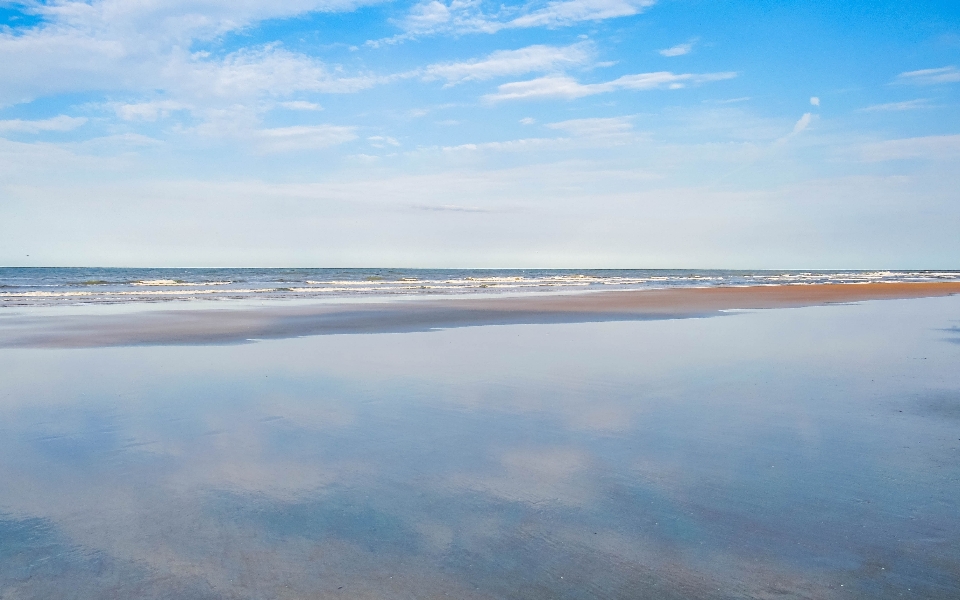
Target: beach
(212, 324)
(790, 442)
(426, 300)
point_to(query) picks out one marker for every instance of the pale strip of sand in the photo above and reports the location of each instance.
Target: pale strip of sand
(238, 325)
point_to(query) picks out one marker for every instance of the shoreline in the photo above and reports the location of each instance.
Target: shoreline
(242, 325)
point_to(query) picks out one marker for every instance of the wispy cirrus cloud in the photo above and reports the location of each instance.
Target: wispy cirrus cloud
(577, 134)
(729, 100)
(520, 145)
(512, 62)
(566, 12)
(58, 123)
(802, 124)
(679, 49)
(610, 129)
(467, 16)
(919, 103)
(940, 75)
(561, 86)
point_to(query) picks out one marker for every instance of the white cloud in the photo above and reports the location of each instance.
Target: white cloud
(285, 139)
(814, 101)
(610, 128)
(679, 49)
(248, 73)
(567, 12)
(598, 132)
(579, 134)
(433, 16)
(665, 79)
(35, 63)
(149, 111)
(467, 16)
(110, 47)
(543, 87)
(427, 16)
(729, 100)
(381, 141)
(176, 20)
(58, 123)
(511, 62)
(802, 123)
(929, 76)
(561, 86)
(934, 147)
(507, 146)
(138, 46)
(799, 127)
(899, 106)
(527, 121)
(300, 105)
(228, 95)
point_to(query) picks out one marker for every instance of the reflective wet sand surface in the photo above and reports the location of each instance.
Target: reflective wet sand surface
(789, 453)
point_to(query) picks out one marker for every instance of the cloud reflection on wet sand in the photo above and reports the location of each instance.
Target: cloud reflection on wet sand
(759, 455)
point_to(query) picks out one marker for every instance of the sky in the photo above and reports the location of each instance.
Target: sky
(463, 133)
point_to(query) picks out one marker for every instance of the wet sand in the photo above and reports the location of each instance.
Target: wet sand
(809, 453)
(238, 325)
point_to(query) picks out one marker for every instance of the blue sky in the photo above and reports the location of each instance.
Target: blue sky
(564, 133)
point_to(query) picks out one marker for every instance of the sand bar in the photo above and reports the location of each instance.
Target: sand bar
(239, 325)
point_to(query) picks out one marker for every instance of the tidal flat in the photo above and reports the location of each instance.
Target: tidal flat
(809, 452)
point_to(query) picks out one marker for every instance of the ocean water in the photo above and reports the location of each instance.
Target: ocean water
(22, 286)
(791, 453)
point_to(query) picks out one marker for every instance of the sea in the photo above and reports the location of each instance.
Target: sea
(52, 286)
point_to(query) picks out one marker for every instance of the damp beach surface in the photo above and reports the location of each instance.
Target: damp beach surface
(809, 452)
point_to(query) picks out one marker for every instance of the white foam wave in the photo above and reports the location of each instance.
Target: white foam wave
(156, 282)
(174, 282)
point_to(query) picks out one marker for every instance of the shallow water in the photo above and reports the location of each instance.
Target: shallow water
(791, 453)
